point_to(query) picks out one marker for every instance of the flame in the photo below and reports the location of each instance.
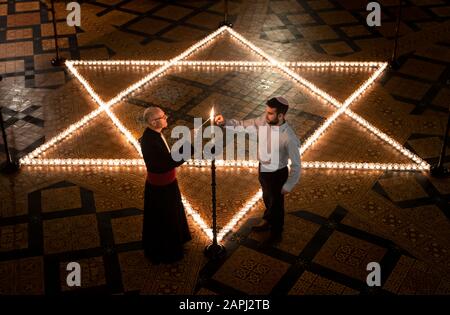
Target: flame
(211, 114)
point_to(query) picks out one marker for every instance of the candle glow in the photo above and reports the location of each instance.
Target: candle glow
(418, 164)
(211, 116)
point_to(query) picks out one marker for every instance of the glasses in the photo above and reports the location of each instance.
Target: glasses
(162, 117)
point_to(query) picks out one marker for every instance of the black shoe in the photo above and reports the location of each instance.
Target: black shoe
(263, 226)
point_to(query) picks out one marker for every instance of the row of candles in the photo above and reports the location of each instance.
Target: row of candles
(175, 61)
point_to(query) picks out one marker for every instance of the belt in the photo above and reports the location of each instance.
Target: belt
(278, 170)
(161, 179)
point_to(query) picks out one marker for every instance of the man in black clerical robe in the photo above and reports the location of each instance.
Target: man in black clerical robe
(165, 228)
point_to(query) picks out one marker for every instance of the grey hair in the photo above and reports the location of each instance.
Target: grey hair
(149, 113)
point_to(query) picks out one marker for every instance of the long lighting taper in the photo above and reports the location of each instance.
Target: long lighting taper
(214, 250)
(211, 120)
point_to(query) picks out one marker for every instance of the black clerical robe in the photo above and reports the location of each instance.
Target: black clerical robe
(165, 227)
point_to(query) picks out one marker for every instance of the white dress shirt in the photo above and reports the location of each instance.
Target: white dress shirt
(289, 145)
(165, 142)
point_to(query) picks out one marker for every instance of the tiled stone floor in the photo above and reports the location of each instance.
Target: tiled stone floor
(336, 221)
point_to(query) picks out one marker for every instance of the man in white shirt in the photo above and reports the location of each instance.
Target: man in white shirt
(275, 181)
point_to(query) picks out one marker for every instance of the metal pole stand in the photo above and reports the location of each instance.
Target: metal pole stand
(58, 61)
(440, 170)
(394, 64)
(214, 250)
(10, 166)
(225, 16)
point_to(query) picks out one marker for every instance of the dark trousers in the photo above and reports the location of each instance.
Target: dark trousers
(271, 184)
(165, 227)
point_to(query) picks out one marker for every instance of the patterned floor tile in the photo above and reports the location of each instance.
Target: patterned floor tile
(61, 199)
(106, 203)
(23, 19)
(71, 233)
(311, 284)
(173, 12)
(337, 17)
(251, 272)
(13, 237)
(435, 52)
(140, 5)
(150, 25)
(422, 69)
(440, 98)
(3, 9)
(177, 278)
(49, 79)
(340, 83)
(339, 48)
(431, 217)
(133, 266)
(20, 49)
(285, 6)
(318, 32)
(127, 229)
(298, 233)
(412, 277)
(401, 188)
(427, 147)
(348, 255)
(298, 19)
(12, 207)
(320, 4)
(442, 185)
(355, 31)
(28, 6)
(22, 276)
(407, 88)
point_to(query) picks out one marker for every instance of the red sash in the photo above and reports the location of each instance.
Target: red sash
(161, 179)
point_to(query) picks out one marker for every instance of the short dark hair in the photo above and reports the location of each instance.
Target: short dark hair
(279, 103)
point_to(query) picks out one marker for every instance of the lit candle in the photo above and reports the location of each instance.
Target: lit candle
(211, 118)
